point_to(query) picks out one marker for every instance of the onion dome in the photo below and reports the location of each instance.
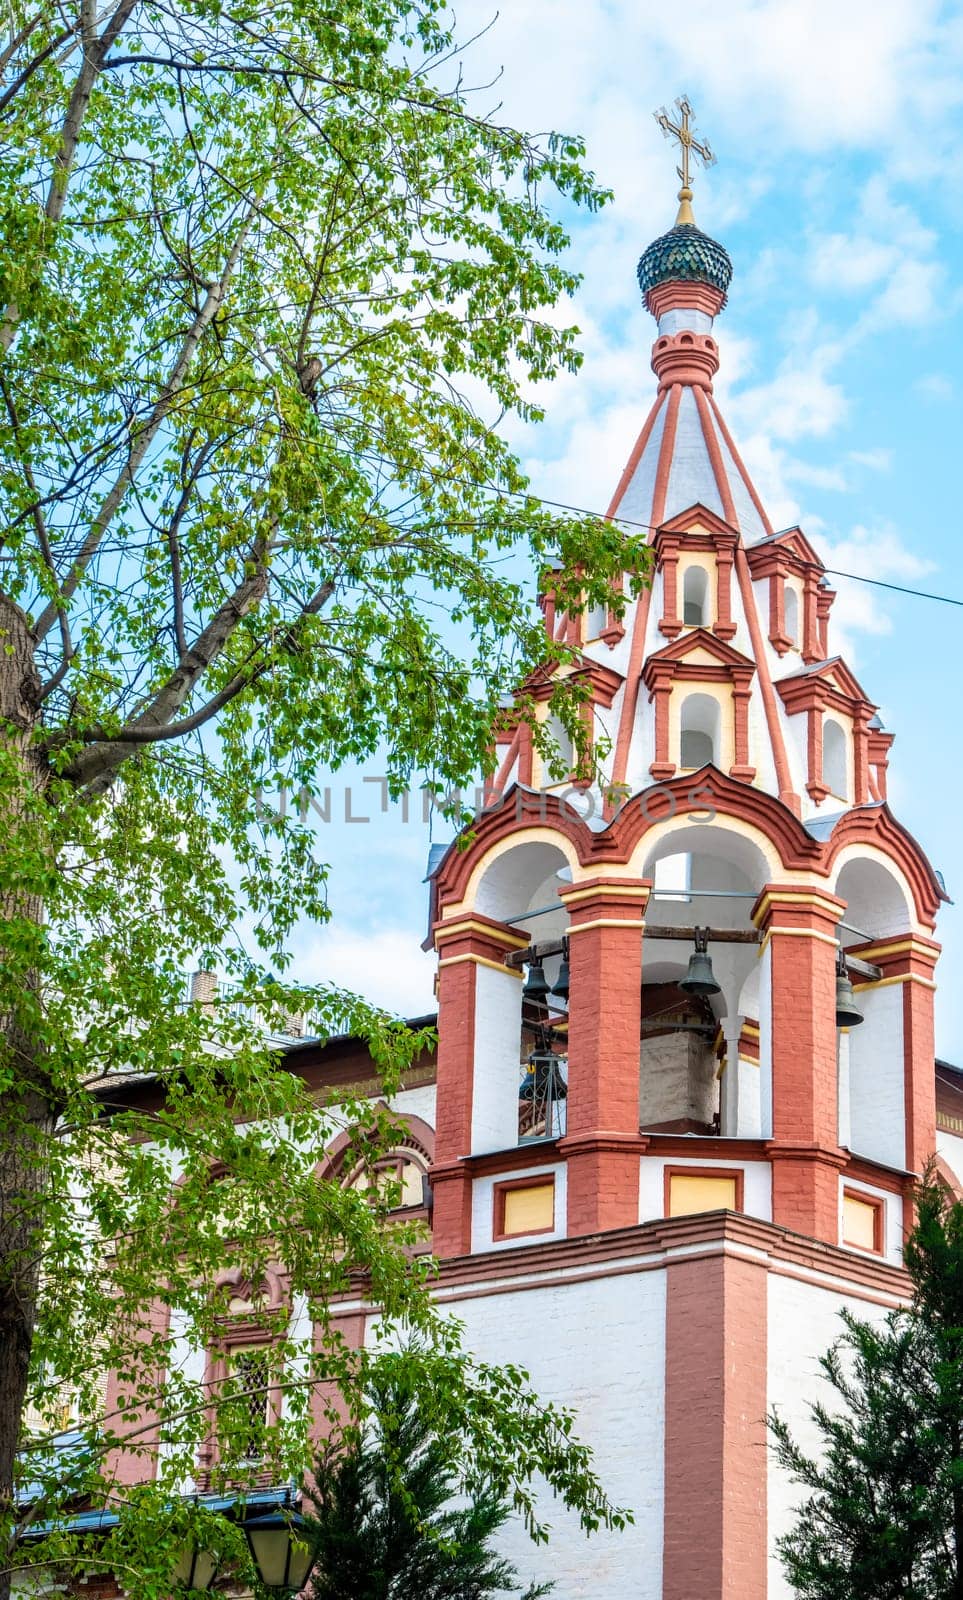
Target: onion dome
(685, 254)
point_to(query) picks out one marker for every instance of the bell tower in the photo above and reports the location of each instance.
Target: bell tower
(731, 1080)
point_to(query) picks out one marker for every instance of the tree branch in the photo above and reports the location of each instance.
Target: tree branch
(94, 51)
(145, 438)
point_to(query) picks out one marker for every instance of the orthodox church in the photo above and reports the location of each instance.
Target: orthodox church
(685, 1075)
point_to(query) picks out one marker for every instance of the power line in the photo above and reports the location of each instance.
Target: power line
(651, 527)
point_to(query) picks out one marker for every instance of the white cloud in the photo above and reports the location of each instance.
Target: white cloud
(867, 552)
(876, 460)
(385, 965)
(935, 386)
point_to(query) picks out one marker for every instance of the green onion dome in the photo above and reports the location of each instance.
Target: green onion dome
(685, 253)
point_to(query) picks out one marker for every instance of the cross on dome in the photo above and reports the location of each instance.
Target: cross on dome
(684, 135)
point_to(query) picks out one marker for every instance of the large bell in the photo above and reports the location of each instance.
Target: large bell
(536, 987)
(848, 1014)
(700, 978)
(560, 986)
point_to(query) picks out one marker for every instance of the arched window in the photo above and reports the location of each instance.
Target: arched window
(399, 1175)
(695, 597)
(700, 731)
(564, 752)
(790, 614)
(595, 619)
(835, 758)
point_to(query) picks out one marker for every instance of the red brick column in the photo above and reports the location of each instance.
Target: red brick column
(667, 550)
(462, 943)
(662, 767)
(910, 960)
(715, 1429)
(814, 620)
(724, 627)
(602, 1143)
(741, 691)
(799, 927)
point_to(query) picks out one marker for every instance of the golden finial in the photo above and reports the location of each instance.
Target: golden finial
(683, 134)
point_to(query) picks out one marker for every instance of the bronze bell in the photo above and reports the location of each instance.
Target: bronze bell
(560, 986)
(848, 1014)
(536, 987)
(700, 978)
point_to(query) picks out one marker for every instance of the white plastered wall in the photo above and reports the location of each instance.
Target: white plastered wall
(877, 1117)
(497, 1073)
(599, 1347)
(803, 1324)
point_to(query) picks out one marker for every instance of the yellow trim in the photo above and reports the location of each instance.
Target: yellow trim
(511, 941)
(796, 933)
(900, 977)
(480, 961)
(752, 1028)
(873, 952)
(796, 897)
(605, 922)
(618, 891)
(949, 1124)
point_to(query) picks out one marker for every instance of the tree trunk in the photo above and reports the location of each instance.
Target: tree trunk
(28, 1110)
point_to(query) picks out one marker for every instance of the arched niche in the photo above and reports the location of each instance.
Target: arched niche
(790, 614)
(699, 731)
(522, 877)
(835, 758)
(878, 903)
(695, 597)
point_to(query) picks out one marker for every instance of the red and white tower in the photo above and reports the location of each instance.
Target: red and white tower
(658, 1192)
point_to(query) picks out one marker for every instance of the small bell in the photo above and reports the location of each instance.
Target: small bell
(543, 1078)
(848, 1014)
(560, 986)
(700, 978)
(536, 988)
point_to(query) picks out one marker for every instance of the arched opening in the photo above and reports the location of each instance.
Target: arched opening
(691, 1076)
(519, 1086)
(561, 755)
(695, 597)
(835, 758)
(699, 731)
(790, 614)
(595, 619)
(874, 1082)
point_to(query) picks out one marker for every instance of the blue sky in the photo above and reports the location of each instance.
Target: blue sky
(838, 195)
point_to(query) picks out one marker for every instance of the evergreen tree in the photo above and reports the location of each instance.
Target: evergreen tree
(883, 1519)
(385, 1525)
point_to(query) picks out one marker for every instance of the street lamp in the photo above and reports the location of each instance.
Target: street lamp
(281, 1550)
(279, 1546)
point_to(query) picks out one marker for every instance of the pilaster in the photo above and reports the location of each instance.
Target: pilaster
(464, 943)
(602, 1144)
(799, 1041)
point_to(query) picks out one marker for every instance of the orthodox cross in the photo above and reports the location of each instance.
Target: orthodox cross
(682, 132)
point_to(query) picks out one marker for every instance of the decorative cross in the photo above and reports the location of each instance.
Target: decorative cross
(682, 133)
